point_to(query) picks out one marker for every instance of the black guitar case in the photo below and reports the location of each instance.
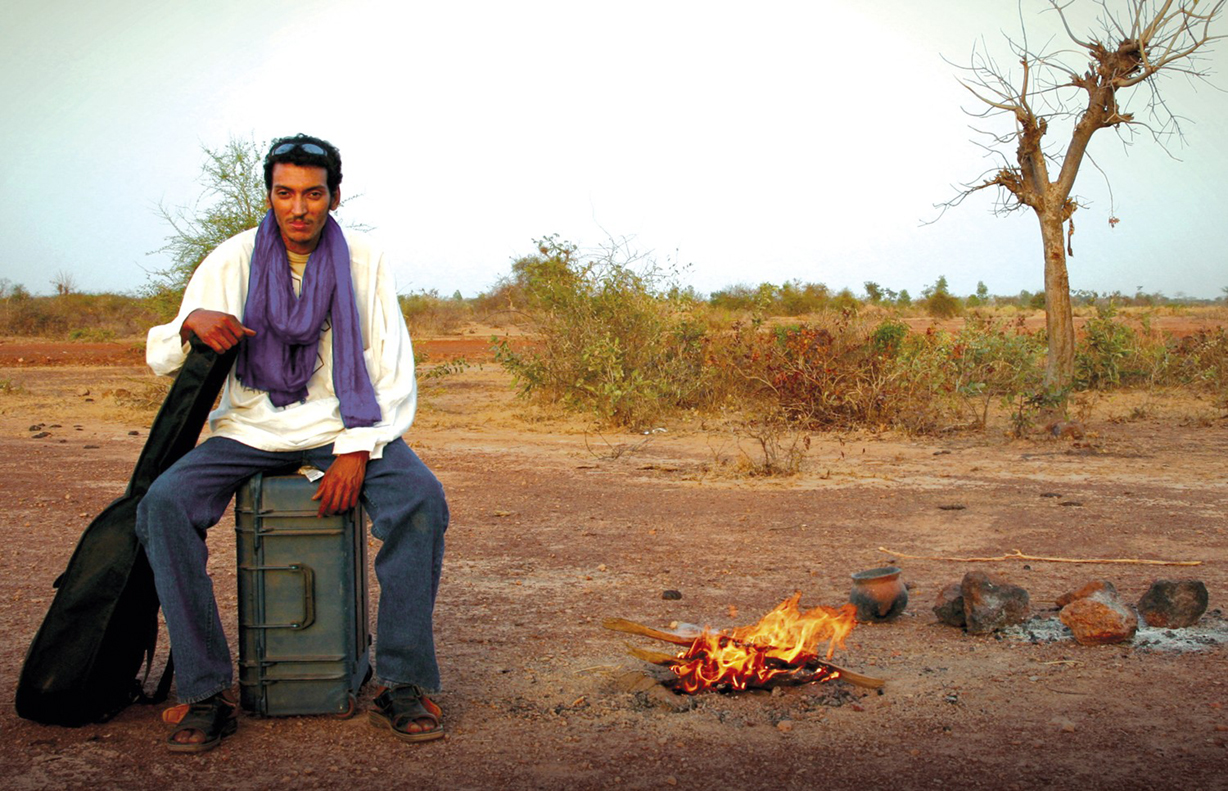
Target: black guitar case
(85, 663)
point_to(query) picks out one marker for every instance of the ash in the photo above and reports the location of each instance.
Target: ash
(1210, 631)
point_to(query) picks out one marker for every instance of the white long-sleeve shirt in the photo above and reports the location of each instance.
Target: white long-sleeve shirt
(246, 415)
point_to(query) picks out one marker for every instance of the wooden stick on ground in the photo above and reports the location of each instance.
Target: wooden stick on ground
(631, 627)
(1017, 555)
(652, 657)
(659, 658)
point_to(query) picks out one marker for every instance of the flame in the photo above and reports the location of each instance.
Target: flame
(783, 642)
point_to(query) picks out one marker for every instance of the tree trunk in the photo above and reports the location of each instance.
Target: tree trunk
(1059, 324)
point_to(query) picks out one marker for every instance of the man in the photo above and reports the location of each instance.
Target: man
(324, 376)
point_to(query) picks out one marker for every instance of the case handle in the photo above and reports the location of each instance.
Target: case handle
(309, 596)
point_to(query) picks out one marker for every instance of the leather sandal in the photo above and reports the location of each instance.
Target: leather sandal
(214, 717)
(396, 708)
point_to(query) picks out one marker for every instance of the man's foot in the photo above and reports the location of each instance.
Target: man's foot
(408, 713)
(203, 725)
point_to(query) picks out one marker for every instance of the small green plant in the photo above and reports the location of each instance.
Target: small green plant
(443, 370)
(92, 334)
(781, 449)
(1028, 409)
(10, 386)
(888, 336)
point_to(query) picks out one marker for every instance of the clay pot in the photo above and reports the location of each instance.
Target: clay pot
(879, 594)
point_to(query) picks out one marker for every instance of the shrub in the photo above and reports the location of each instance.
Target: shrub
(612, 341)
(1111, 353)
(939, 380)
(990, 361)
(794, 298)
(840, 372)
(427, 313)
(94, 317)
(735, 298)
(888, 336)
(825, 373)
(92, 334)
(1201, 360)
(939, 302)
(798, 299)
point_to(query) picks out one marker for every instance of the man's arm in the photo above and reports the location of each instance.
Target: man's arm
(218, 284)
(342, 483)
(220, 331)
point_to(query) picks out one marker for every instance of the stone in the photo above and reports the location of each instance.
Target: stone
(1065, 428)
(950, 605)
(635, 681)
(1170, 604)
(662, 698)
(1063, 724)
(1099, 619)
(1085, 591)
(991, 603)
(671, 595)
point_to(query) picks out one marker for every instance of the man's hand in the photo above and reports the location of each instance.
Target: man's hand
(220, 331)
(342, 483)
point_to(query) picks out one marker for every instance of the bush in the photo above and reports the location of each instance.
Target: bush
(427, 313)
(613, 343)
(888, 336)
(939, 302)
(840, 372)
(818, 374)
(794, 298)
(92, 317)
(989, 361)
(1111, 353)
(1201, 360)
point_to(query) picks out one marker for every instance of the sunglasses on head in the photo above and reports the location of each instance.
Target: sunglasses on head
(308, 148)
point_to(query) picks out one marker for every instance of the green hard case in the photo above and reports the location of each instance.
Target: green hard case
(304, 636)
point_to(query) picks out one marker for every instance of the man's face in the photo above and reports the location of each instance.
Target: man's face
(301, 202)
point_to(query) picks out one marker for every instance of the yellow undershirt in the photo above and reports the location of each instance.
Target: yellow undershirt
(298, 264)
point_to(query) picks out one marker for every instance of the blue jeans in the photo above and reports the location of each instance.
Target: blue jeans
(408, 515)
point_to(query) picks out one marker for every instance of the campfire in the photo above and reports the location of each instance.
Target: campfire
(786, 646)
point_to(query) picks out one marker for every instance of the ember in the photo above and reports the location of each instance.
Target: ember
(784, 643)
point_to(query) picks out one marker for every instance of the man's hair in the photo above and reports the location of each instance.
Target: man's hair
(298, 155)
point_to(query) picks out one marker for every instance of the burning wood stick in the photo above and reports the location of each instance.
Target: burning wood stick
(1017, 555)
(802, 675)
(660, 658)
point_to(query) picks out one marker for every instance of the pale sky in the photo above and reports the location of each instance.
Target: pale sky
(747, 142)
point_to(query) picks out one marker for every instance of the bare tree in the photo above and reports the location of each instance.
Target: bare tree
(64, 282)
(1132, 47)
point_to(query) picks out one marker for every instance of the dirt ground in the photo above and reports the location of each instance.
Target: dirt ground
(555, 529)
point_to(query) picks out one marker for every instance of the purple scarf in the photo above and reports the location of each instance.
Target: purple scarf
(281, 356)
